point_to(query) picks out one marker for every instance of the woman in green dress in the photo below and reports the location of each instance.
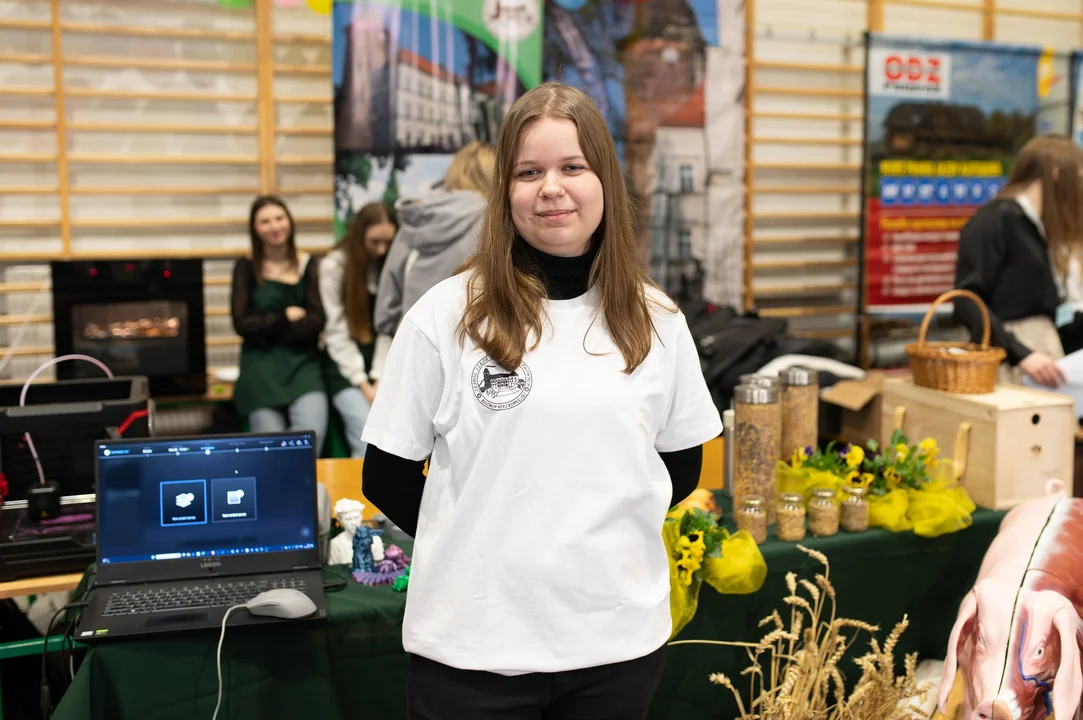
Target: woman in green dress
(277, 312)
(349, 275)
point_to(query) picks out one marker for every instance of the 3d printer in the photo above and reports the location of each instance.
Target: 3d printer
(47, 533)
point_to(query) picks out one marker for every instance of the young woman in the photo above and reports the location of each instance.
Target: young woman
(1014, 254)
(277, 312)
(559, 399)
(437, 233)
(348, 278)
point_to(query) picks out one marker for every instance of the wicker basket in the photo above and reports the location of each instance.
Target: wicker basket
(963, 368)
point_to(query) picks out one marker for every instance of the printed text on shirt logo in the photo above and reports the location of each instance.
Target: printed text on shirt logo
(498, 389)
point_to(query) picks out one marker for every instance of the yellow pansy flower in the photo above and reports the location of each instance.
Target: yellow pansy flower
(929, 448)
(866, 479)
(891, 476)
(901, 451)
(855, 456)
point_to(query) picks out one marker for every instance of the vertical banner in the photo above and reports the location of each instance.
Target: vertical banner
(654, 68)
(944, 123)
(416, 80)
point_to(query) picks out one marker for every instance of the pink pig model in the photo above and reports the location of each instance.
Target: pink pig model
(1017, 637)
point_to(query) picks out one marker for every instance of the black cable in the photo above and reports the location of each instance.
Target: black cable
(334, 586)
(46, 699)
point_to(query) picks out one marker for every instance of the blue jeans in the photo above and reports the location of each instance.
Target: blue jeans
(354, 409)
(308, 412)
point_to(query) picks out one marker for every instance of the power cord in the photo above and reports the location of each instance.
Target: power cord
(46, 696)
(218, 661)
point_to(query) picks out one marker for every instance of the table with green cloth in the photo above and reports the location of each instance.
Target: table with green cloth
(352, 664)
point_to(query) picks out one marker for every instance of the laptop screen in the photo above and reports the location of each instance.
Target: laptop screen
(168, 499)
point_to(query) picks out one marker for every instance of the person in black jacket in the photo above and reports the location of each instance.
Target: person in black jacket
(1014, 254)
(278, 314)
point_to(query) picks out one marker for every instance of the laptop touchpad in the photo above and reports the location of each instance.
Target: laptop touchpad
(162, 619)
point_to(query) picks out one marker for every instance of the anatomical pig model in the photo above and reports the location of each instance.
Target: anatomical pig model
(1017, 637)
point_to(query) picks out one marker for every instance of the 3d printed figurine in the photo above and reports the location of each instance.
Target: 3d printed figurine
(394, 565)
(363, 539)
(348, 513)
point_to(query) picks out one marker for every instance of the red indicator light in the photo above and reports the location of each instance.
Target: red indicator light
(93, 272)
(129, 267)
(166, 273)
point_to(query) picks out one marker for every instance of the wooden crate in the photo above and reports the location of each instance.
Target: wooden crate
(1018, 438)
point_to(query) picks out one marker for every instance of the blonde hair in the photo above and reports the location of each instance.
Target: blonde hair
(1057, 162)
(504, 303)
(471, 168)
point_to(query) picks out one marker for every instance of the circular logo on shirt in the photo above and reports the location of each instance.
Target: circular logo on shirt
(498, 389)
(510, 20)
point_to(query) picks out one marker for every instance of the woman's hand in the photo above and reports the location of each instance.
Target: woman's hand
(368, 390)
(1043, 370)
(295, 313)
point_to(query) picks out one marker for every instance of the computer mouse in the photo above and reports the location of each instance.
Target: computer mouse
(282, 603)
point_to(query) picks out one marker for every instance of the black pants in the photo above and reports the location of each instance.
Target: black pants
(621, 691)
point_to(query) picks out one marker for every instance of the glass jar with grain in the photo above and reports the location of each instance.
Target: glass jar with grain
(752, 519)
(758, 431)
(799, 397)
(854, 510)
(823, 513)
(791, 517)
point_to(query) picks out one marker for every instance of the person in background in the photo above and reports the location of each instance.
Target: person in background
(558, 396)
(348, 278)
(436, 234)
(277, 312)
(1014, 254)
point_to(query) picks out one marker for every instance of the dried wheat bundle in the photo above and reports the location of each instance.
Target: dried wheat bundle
(794, 669)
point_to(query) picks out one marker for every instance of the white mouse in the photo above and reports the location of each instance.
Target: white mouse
(282, 603)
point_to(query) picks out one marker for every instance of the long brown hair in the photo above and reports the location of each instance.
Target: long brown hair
(1057, 162)
(257, 244)
(504, 304)
(355, 284)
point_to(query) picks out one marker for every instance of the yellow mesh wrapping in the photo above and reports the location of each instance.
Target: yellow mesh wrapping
(683, 597)
(741, 570)
(889, 511)
(942, 506)
(804, 480)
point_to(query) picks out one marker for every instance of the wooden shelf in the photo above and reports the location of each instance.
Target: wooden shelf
(141, 159)
(808, 67)
(87, 28)
(802, 239)
(796, 312)
(804, 265)
(807, 167)
(183, 128)
(843, 142)
(27, 125)
(808, 289)
(161, 95)
(806, 190)
(800, 91)
(148, 63)
(315, 131)
(164, 190)
(810, 215)
(826, 117)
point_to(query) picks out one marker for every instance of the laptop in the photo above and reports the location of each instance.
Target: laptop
(188, 527)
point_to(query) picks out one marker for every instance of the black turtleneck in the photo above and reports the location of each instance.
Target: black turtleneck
(395, 485)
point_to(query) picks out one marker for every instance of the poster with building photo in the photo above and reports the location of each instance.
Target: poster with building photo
(416, 80)
(945, 122)
(654, 67)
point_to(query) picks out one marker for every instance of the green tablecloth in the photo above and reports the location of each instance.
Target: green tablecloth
(352, 665)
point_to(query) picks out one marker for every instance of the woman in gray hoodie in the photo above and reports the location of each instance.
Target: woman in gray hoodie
(436, 234)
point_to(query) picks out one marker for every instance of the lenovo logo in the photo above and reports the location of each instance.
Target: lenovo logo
(210, 563)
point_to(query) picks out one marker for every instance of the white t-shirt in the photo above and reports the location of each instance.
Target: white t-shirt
(539, 545)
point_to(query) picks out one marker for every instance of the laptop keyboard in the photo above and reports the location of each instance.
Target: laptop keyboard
(190, 597)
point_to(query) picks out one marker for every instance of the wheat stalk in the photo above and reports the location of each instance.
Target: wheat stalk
(801, 678)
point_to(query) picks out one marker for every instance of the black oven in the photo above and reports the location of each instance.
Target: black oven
(139, 317)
